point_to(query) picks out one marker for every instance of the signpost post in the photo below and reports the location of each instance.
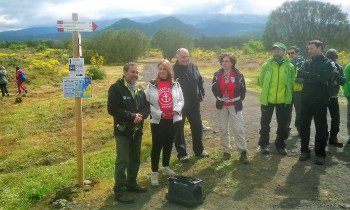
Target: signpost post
(77, 85)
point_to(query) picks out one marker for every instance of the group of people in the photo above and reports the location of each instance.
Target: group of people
(175, 94)
(4, 79)
(312, 86)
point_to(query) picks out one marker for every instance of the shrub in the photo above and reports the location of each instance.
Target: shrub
(253, 47)
(96, 73)
(45, 66)
(203, 55)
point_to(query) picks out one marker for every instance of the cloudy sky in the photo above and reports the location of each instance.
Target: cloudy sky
(17, 14)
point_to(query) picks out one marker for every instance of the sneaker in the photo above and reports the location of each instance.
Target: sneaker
(304, 156)
(205, 128)
(203, 154)
(320, 160)
(168, 172)
(154, 179)
(122, 198)
(244, 159)
(185, 158)
(282, 151)
(264, 150)
(226, 156)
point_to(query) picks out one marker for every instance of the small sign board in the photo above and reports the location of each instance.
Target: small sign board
(72, 26)
(77, 87)
(76, 67)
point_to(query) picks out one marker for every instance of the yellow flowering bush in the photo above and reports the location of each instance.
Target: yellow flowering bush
(42, 65)
(97, 61)
(344, 57)
(203, 55)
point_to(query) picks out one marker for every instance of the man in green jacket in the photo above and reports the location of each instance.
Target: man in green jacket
(276, 80)
(346, 89)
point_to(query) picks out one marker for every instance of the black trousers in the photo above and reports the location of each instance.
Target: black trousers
(194, 118)
(283, 115)
(128, 158)
(4, 90)
(163, 135)
(297, 107)
(333, 108)
(318, 112)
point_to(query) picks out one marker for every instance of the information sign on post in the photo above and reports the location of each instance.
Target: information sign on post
(76, 67)
(77, 86)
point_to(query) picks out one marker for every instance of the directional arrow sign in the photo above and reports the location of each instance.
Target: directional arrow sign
(70, 26)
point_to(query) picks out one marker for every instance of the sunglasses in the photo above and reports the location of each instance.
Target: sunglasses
(291, 53)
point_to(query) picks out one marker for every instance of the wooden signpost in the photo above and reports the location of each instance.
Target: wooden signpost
(76, 81)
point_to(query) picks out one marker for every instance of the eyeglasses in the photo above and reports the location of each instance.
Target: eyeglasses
(291, 53)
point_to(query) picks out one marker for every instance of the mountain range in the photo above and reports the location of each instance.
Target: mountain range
(195, 26)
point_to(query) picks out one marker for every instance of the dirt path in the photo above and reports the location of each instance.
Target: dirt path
(268, 182)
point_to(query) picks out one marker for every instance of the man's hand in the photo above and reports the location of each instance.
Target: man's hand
(138, 118)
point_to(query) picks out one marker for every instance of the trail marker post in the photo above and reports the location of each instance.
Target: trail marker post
(77, 85)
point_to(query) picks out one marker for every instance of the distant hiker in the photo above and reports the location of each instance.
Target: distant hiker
(128, 105)
(191, 83)
(276, 80)
(229, 89)
(333, 106)
(3, 82)
(317, 73)
(297, 60)
(166, 101)
(346, 89)
(21, 78)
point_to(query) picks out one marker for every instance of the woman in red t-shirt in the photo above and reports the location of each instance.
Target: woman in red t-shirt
(229, 90)
(166, 101)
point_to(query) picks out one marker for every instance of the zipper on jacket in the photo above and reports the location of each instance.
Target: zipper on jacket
(278, 80)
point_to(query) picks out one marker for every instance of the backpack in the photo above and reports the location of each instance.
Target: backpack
(23, 76)
(3, 79)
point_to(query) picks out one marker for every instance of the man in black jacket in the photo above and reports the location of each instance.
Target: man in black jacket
(191, 83)
(333, 106)
(317, 73)
(128, 105)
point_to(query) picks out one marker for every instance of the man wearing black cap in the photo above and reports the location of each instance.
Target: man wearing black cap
(317, 73)
(276, 80)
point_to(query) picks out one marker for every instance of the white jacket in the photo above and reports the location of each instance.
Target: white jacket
(152, 97)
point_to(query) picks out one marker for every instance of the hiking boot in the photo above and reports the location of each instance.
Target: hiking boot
(123, 198)
(226, 156)
(320, 160)
(184, 159)
(304, 156)
(168, 172)
(136, 189)
(203, 154)
(154, 179)
(244, 159)
(282, 151)
(264, 150)
(333, 140)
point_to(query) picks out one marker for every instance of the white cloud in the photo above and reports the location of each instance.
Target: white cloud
(8, 21)
(26, 13)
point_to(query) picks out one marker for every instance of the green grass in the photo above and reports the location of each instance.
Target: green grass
(37, 142)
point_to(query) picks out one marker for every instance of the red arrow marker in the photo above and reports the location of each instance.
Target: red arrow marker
(94, 26)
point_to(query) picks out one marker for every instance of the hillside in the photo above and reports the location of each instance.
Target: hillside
(211, 25)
